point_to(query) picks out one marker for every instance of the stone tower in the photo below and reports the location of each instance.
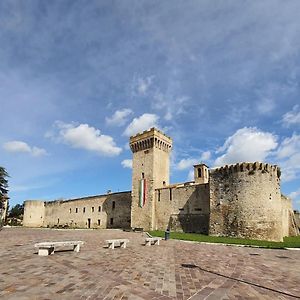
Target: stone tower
(201, 173)
(150, 170)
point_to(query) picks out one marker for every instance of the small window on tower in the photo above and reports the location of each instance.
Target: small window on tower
(143, 175)
(113, 205)
(93, 209)
(199, 173)
(99, 222)
(99, 209)
(83, 210)
(70, 210)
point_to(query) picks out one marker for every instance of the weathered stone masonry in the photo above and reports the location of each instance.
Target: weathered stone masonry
(103, 211)
(241, 200)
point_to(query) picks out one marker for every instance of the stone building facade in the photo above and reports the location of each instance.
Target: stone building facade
(103, 211)
(241, 200)
(3, 208)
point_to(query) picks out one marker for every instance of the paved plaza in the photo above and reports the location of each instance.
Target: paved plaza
(172, 270)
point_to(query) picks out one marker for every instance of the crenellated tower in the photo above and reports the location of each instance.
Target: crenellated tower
(245, 201)
(150, 170)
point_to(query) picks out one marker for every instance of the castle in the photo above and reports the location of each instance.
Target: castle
(241, 200)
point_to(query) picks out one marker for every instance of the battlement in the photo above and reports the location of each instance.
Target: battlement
(248, 167)
(149, 139)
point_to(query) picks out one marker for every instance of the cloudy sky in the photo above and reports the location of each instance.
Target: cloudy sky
(78, 78)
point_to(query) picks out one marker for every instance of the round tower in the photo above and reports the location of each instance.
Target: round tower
(34, 212)
(245, 201)
(150, 170)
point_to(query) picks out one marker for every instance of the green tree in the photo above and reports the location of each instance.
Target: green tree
(3, 185)
(16, 211)
(3, 182)
(3, 191)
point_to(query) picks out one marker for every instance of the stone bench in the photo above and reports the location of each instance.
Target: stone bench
(152, 241)
(117, 242)
(47, 248)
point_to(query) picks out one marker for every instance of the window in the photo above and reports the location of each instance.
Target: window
(113, 205)
(164, 183)
(170, 194)
(158, 195)
(70, 210)
(83, 210)
(199, 173)
(143, 175)
(99, 222)
(93, 209)
(111, 221)
(99, 209)
(198, 209)
(76, 210)
(181, 209)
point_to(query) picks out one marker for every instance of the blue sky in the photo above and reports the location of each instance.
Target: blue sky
(77, 78)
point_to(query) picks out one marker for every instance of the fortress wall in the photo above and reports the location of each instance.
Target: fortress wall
(34, 212)
(109, 215)
(289, 222)
(297, 218)
(184, 208)
(246, 201)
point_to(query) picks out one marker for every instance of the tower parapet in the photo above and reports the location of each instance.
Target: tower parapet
(248, 167)
(150, 138)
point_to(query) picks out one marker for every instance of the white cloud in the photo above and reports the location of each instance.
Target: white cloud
(295, 195)
(292, 117)
(142, 85)
(144, 122)
(187, 163)
(127, 163)
(205, 156)
(288, 156)
(119, 118)
(246, 144)
(265, 105)
(190, 176)
(173, 105)
(85, 137)
(22, 147)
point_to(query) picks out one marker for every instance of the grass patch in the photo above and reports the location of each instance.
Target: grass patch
(289, 242)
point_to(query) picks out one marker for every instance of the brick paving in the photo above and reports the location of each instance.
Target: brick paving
(173, 270)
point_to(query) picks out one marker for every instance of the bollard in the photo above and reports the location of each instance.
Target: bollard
(167, 234)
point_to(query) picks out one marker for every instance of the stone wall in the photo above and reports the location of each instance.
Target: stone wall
(289, 222)
(34, 212)
(297, 218)
(104, 211)
(183, 208)
(245, 201)
(3, 208)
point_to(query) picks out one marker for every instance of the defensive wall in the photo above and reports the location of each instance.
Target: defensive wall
(103, 211)
(183, 207)
(290, 227)
(245, 201)
(241, 200)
